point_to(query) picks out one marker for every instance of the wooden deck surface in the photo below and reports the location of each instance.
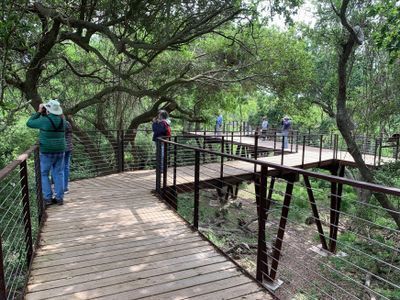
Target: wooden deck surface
(113, 239)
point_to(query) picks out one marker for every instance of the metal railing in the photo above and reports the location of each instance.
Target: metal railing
(21, 216)
(216, 168)
(256, 213)
(99, 153)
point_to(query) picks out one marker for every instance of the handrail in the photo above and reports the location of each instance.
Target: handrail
(15, 163)
(336, 179)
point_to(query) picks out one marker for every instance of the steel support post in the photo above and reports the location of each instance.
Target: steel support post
(38, 181)
(261, 193)
(315, 212)
(196, 189)
(158, 166)
(26, 212)
(336, 199)
(3, 291)
(282, 225)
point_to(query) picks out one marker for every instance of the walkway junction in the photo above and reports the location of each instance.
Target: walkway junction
(202, 216)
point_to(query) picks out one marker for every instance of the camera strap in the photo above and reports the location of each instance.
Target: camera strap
(59, 128)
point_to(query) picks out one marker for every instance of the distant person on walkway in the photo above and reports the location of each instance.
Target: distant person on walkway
(218, 124)
(161, 128)
(67, 154)
(52, 147)
(264, 128)
(286, 126)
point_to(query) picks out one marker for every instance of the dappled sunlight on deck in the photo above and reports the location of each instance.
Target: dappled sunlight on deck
(113, 239)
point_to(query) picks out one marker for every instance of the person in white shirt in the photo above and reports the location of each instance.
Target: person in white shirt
(264, 128)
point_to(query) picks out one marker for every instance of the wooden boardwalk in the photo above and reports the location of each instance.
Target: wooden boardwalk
(295, 159)
(113, 239)
(236, 171)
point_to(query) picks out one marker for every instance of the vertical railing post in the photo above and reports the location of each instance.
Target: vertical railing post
(118, 150)
(282, 149)
(204, 146)
(165, 166)
(38, 181)
(196, 189)
(232, 143)
(158, 166)
(122, 151)
(262, 257)
(275, 140)
(336, 148)
(304, 151)
(291, 144)
(380, 151)
(26, 211)
(175, 161)
(3, 292)
(375, 151)
(397, 148)
(297, 141)
(256, 137)
(320, 149)
(221, 172)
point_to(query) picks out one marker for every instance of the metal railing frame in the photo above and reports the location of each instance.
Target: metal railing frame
(21, 163)
(291, 175)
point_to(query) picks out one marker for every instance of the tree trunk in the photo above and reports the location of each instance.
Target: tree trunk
(345, 126)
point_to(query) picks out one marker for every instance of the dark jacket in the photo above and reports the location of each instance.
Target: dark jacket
(51, 138)
(68, 136)
(160, 129)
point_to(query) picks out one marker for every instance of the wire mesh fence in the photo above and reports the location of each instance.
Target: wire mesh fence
(21, 214)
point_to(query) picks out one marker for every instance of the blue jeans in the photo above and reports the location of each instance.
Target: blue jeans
(161, 156)
(67, 160)
(285, 135)
(55, 163)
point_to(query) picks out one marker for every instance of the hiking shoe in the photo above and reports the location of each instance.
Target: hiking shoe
(54, 200)
(47, 203)
(66, 191)
(60, 202)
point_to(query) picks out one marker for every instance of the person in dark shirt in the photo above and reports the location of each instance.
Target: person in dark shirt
(161, 128)
(67, 154)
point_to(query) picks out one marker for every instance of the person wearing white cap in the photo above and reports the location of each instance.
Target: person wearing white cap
(52, 146)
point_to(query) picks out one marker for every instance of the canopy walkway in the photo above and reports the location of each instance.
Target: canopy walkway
(223, 231)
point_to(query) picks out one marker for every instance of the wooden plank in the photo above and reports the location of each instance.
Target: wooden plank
(63, 244)
(117, 262)
(254, 296)
(150, 247)
(211, 289)
(103, 228)
(228, 290)
(131, 278)
(121, 269)
(110, 244)
(159, 284)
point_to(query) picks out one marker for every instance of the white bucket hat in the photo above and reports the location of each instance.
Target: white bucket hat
(54, 107)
